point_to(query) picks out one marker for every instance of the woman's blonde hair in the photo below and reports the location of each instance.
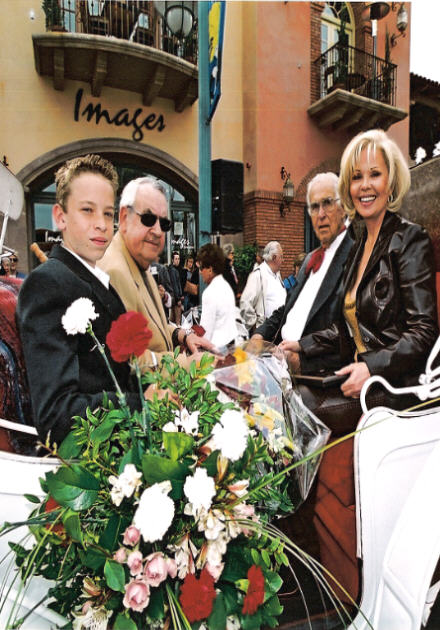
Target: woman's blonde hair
(398, 172)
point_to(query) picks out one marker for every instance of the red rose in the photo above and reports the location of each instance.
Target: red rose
(255, 593)
(197, 596)
(128, 335)
(50, 506)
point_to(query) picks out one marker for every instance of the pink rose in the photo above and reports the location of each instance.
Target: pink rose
(215, 570)
(120, 555)
(137, 595)
(131, 536)
(171, 567)
(156, 570)
(134, 562)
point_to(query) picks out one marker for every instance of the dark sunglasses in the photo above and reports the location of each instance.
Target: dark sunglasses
(149, 219)
(13, 259)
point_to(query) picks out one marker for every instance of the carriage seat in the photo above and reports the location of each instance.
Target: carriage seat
(15, 405)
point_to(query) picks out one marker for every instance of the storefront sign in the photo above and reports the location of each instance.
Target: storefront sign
(95, 112)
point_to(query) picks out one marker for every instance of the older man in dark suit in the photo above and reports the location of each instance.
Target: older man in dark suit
(66, 373)
(313, 302)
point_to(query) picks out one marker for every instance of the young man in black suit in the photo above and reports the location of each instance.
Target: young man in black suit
(65, 373)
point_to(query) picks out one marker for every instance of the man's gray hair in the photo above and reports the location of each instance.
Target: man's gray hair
(272, 249)
(228, 248)
(331, 178)
(130, 190)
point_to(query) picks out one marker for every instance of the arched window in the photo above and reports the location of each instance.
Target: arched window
(336, 16)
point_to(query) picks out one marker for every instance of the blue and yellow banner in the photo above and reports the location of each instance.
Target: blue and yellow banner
(217, 11)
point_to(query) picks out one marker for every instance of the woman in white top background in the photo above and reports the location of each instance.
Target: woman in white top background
(218, 300)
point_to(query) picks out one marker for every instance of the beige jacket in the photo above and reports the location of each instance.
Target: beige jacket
(126, 278)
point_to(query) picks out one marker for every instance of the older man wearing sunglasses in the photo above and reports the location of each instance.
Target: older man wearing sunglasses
(143, 223)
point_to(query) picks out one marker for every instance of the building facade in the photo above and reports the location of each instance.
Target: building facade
(298, 80)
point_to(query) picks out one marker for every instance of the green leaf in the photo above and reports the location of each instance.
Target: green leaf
(231, 598)
(73, 487)
(217, 618)
(255, 556)
(157, 469)
(210, 464)
(251, 622)
(272, 581)
(92, 559)
(114, 575)
(130, 457)
(156, 607)
(109, 538)
(124, 622)
(273, 607)
(72, 525)
(104, 430)
(177, 445)
(32, 498)
(266, 558)
(69, 448)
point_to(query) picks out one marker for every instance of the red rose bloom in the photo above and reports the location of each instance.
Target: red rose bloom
(255, 593)
(197, 596)
(128, 335)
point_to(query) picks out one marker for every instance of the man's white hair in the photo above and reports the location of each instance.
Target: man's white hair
(272, 249)
(130, 190)
(329, 177)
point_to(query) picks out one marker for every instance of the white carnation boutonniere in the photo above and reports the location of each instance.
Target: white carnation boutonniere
(78, 316)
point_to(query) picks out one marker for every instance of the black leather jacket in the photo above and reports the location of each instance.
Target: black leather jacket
(396, 305)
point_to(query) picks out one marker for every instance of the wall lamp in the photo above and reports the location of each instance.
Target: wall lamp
(402, 22)
(287, 192)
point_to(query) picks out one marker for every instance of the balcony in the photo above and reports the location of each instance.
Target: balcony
(120, 44)
(356, 90)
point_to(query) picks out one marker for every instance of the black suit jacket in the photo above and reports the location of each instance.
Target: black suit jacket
(66, 375)
(325, 308)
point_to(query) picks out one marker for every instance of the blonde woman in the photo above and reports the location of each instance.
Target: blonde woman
(388, 322)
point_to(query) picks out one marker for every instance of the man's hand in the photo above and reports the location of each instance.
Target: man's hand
(293, 361)
(152, 390)
(359, 373)
(196, 343)
(290, 346)
(161, 291)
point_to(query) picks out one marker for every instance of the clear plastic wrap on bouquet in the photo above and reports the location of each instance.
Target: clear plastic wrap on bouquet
(256, 376)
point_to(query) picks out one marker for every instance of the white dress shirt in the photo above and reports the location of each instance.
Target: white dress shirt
(297, 316)
(103, 277)
(275, 292)
(218, 312)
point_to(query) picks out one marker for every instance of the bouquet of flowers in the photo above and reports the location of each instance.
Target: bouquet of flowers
(257, 378)
(160, 517)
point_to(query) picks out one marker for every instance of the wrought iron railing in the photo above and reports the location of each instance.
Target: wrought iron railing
(132, 20)
(343, 66)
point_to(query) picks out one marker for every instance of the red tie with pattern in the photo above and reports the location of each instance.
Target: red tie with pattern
(317, 257)
(315, 260)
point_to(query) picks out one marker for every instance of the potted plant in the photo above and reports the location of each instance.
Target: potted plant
(52, 11)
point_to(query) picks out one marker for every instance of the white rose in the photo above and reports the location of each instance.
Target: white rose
(78, 316)
(199, 489)
(230, 434)
(155, 512)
